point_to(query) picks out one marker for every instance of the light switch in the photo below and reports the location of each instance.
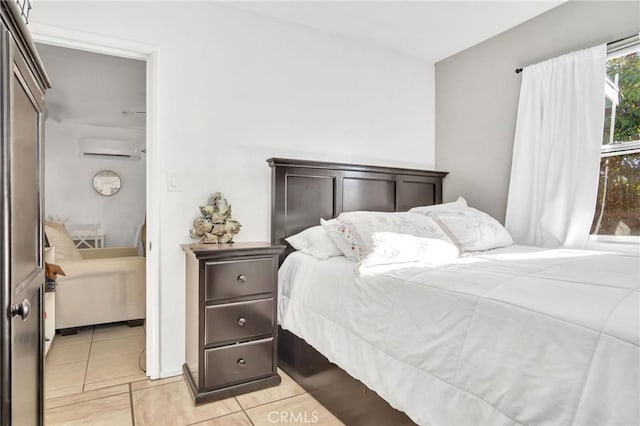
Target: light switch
(174, 182)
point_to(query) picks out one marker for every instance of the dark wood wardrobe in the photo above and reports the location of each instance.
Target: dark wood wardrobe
(22, 86)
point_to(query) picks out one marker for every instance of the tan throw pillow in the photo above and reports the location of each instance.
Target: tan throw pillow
(59, 238)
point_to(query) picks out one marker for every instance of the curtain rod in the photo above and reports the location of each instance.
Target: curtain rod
(612, 46)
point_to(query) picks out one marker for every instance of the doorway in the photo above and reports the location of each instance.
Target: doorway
(95, 199)
(55, 36)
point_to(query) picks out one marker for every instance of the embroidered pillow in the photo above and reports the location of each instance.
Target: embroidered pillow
(331, 228)
(392, 248)
(357, 229)
(472, 230)
(315, 242)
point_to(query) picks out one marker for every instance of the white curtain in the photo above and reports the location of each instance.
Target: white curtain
(556, 152)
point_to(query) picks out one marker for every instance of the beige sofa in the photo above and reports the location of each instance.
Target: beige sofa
(101, 285)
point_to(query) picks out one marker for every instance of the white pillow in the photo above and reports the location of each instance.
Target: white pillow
(459, 204)
(314, 241)
(472, 230)
(331, 228)
(357, 229)
(392, 248)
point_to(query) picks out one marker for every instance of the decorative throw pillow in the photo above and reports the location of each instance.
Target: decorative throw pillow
(459, 204)
(357, 228)
(392, 248)
(59, 238)
(472, 230)
(331, 228)
(315, 242)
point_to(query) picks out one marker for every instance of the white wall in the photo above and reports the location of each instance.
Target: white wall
(234, 89)
(69, 193)
(478, 89)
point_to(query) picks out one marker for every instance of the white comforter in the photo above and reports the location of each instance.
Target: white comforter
(512, 336)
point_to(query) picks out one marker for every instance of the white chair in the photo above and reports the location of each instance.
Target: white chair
(137, 240)
(86, 235)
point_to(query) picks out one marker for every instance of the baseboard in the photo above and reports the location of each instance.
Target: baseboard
(170, 373)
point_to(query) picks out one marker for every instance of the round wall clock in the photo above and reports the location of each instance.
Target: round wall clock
(107, 183)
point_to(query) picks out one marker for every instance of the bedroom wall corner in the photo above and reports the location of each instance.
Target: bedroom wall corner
(477, 93)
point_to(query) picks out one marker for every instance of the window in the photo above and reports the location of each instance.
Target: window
(618, 204)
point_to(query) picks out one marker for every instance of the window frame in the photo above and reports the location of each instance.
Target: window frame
(628, 243)
(624, 148)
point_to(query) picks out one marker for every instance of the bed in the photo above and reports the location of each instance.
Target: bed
(516, 335)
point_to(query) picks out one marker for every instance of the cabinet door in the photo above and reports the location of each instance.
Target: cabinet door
(22, 240)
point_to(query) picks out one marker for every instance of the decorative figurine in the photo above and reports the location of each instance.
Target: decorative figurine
(215, 225)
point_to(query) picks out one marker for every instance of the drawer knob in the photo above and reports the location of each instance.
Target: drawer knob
(242, 321)
(242, 279)
(241, 362)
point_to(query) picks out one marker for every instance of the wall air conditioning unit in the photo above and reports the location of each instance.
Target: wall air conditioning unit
(110, 149)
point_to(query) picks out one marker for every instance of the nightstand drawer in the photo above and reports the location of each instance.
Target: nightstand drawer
(239, 278)
(239, 320)
(238, 363)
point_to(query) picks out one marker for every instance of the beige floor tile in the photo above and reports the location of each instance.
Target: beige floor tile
(301, 409)
(112, 410)
(86, 396)
(287, 388)
(113, 367)
(67, 353)
(114, 347)
(115, 331)
(65, 375)
(235, 419)
(171, 404)
(63, 391)
(84, 335)
(146, 384)
(115, 381)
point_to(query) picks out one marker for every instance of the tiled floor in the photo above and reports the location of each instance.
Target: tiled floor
(93, 359)
(94, 378)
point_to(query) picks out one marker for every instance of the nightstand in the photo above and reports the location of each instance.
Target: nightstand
(230, 307)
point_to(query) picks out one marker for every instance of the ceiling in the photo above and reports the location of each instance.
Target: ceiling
(430, 30)
(94, 89)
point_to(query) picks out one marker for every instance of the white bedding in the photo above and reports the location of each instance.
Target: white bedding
(518, 335)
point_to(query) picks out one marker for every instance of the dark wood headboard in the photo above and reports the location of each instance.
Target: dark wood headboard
(302, 192)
